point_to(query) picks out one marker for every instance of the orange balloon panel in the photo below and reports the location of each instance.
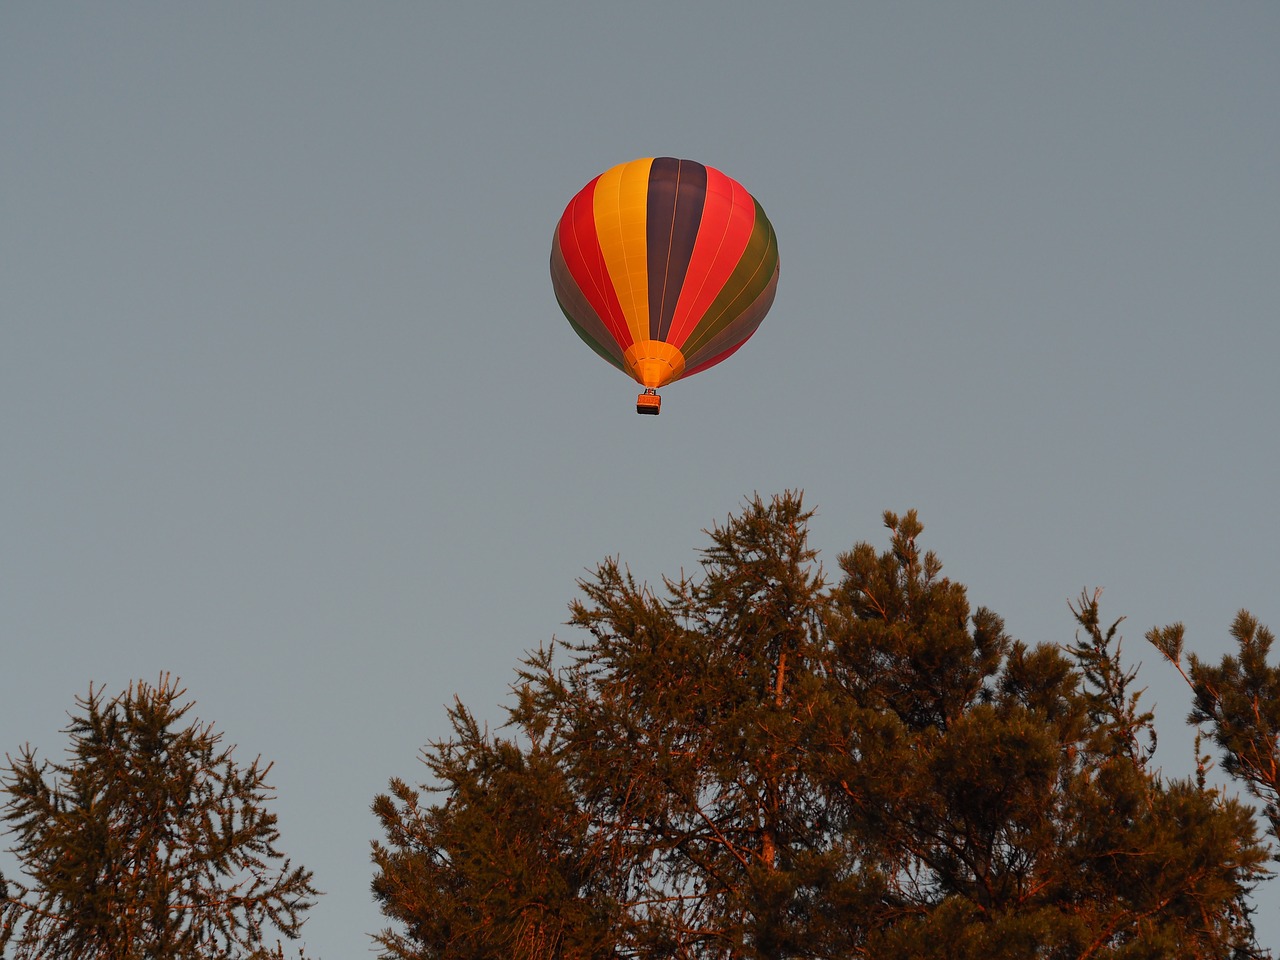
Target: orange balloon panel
(664, 267)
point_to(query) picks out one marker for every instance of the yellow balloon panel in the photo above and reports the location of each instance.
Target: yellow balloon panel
(620, 208)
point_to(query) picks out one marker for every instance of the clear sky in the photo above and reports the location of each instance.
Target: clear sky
(287, 406)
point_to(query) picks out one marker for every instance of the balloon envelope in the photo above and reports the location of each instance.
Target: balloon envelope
(664, 267)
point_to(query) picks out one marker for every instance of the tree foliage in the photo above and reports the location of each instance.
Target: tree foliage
(150, 841)
(1239, 700)
(754, 763)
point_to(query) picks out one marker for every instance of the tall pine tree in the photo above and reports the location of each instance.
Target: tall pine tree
(752, 763)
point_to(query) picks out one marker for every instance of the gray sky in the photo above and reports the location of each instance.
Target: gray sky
(287, 406)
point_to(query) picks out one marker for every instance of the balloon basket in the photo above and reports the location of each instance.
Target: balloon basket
(649, 403)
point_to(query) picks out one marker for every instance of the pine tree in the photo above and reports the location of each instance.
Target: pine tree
(750, 763)
(149, 842)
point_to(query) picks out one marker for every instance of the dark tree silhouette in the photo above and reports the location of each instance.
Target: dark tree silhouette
(150, 841)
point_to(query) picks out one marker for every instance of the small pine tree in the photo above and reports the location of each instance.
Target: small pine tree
(150, 841)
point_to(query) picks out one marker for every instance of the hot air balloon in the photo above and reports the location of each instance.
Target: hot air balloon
(664, 267)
